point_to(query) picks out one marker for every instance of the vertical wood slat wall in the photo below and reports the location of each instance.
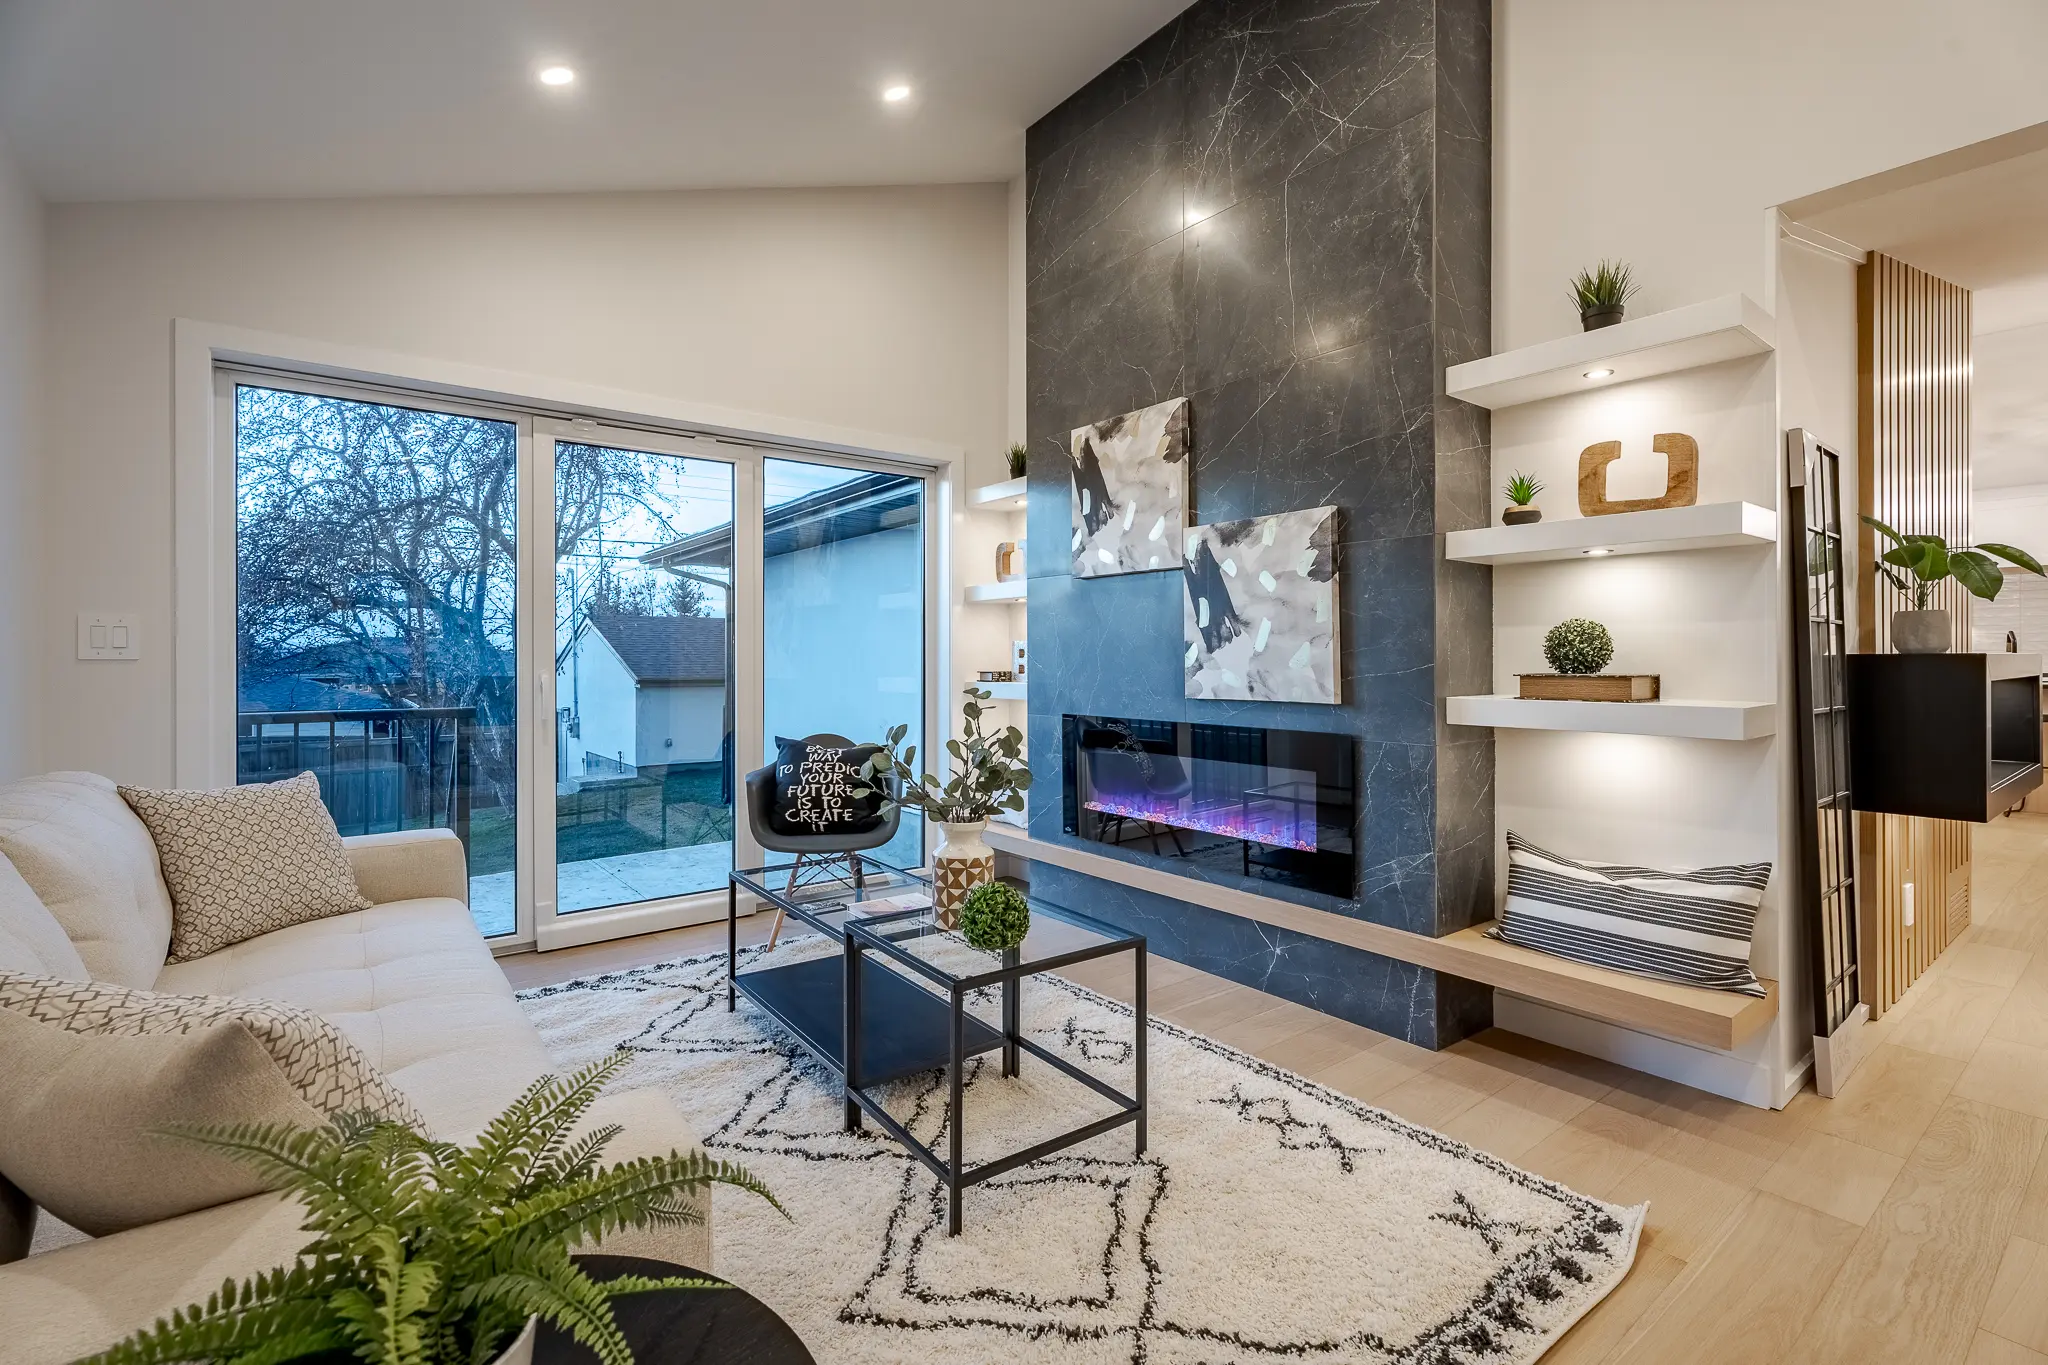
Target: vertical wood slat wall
(1913, 341)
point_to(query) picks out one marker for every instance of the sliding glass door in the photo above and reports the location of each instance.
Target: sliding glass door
(843, 612)
(567, 643)
(644, 696)
(376, 598)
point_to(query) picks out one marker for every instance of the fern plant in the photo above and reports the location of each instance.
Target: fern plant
(428, 1253)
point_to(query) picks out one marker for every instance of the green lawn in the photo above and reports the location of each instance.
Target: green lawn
(597, 823)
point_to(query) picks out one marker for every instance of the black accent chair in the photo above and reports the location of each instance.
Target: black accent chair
(818, 851)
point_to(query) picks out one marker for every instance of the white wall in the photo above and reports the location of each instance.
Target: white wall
(1660, 133)
(691, 715)
(21, 275)
(880, 309)
(1710, 623)
(2012, 516)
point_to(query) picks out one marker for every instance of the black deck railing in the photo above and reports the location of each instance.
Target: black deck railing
(381, 770)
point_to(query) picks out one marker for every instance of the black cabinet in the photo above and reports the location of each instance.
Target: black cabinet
(1948, 736)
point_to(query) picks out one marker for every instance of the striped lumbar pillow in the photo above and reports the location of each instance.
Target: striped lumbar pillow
(1690, 927)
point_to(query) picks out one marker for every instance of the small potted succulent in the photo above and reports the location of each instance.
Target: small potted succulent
(1601, 294)
(1521, 493)
(1923, 629)
(995, 917)
(1016, 455)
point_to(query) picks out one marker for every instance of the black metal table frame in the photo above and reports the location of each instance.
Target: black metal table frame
(858, 937)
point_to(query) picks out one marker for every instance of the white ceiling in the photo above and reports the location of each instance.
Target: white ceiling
(1985, 227)
(155, 99)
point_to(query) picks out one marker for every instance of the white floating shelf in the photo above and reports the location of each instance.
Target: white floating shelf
(1009, 691)
(997, 592)
(1736, 720)
(1726, 328)
(1716, 525)
(1007, 496)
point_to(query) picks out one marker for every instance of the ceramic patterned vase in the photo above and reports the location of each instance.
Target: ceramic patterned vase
(961, 863)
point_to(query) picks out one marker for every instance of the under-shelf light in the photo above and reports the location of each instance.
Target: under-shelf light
(1603, 550)
(1600, 374)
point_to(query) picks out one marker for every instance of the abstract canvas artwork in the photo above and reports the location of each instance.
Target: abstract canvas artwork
(1131, 491)
(1261, 608)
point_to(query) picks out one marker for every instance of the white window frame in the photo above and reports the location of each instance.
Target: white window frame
(207, 358)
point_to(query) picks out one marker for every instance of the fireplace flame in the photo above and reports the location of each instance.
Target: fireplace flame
(1279, 828)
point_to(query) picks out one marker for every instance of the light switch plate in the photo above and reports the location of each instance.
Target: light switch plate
(109, 635)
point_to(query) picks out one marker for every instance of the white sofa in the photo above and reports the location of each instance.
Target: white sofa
(409, 980)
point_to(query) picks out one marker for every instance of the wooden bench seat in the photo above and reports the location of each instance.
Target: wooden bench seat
(1721, 1020)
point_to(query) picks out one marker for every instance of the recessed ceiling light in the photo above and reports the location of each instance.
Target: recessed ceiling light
(557, 75)
(1598, 374)
(896, 94)
(1602, 551)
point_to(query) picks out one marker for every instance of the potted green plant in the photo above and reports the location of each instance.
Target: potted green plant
(1923, 629)
(1521, 491)
(1578, 646)
(995, 917)
(429, 1253)
(989, 775)
(1016, 455)
(1601, 294)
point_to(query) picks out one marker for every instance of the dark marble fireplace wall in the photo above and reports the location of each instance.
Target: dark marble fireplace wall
(1281, 210)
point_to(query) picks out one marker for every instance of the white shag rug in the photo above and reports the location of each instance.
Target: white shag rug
(1269, 1217)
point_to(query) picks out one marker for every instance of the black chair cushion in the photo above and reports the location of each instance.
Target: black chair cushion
(814, 786)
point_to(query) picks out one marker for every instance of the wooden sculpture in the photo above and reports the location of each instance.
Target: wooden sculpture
(1681, 484)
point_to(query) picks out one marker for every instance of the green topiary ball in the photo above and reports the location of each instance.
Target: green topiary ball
(1578, 646)
(995, 917)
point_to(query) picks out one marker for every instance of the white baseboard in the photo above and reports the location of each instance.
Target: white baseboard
(1745, 1075)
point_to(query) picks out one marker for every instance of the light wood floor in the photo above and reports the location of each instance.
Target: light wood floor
(1905, 1221)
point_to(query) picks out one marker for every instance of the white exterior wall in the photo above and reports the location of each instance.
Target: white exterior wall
(692, 715)
(596, 686)
(844, 640)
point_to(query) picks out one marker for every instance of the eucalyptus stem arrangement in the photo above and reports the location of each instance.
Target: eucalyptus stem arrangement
(989, 772)
(428, 1253)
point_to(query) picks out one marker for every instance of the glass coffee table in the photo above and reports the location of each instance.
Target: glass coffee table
(899, 989)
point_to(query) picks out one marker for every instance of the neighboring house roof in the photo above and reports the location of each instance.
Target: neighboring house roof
(858, 507)
(664, 649)
(256, 695)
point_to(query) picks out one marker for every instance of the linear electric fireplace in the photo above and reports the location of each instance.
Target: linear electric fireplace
(1275, 805)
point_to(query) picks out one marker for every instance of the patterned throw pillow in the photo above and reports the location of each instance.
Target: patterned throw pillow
(328, 1071)
(1691, 927)
(242, 861)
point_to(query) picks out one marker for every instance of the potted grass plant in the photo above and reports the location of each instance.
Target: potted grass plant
(1601, 294)
(1016, 455)
(1925, 629)
(429, 1253)
(1521, 491)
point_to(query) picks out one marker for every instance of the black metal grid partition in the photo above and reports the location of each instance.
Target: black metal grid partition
(1820, 647)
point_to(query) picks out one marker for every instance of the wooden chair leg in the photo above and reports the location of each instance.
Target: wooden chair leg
(775, 929)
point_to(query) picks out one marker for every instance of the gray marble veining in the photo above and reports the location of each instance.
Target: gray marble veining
(1280, 208)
